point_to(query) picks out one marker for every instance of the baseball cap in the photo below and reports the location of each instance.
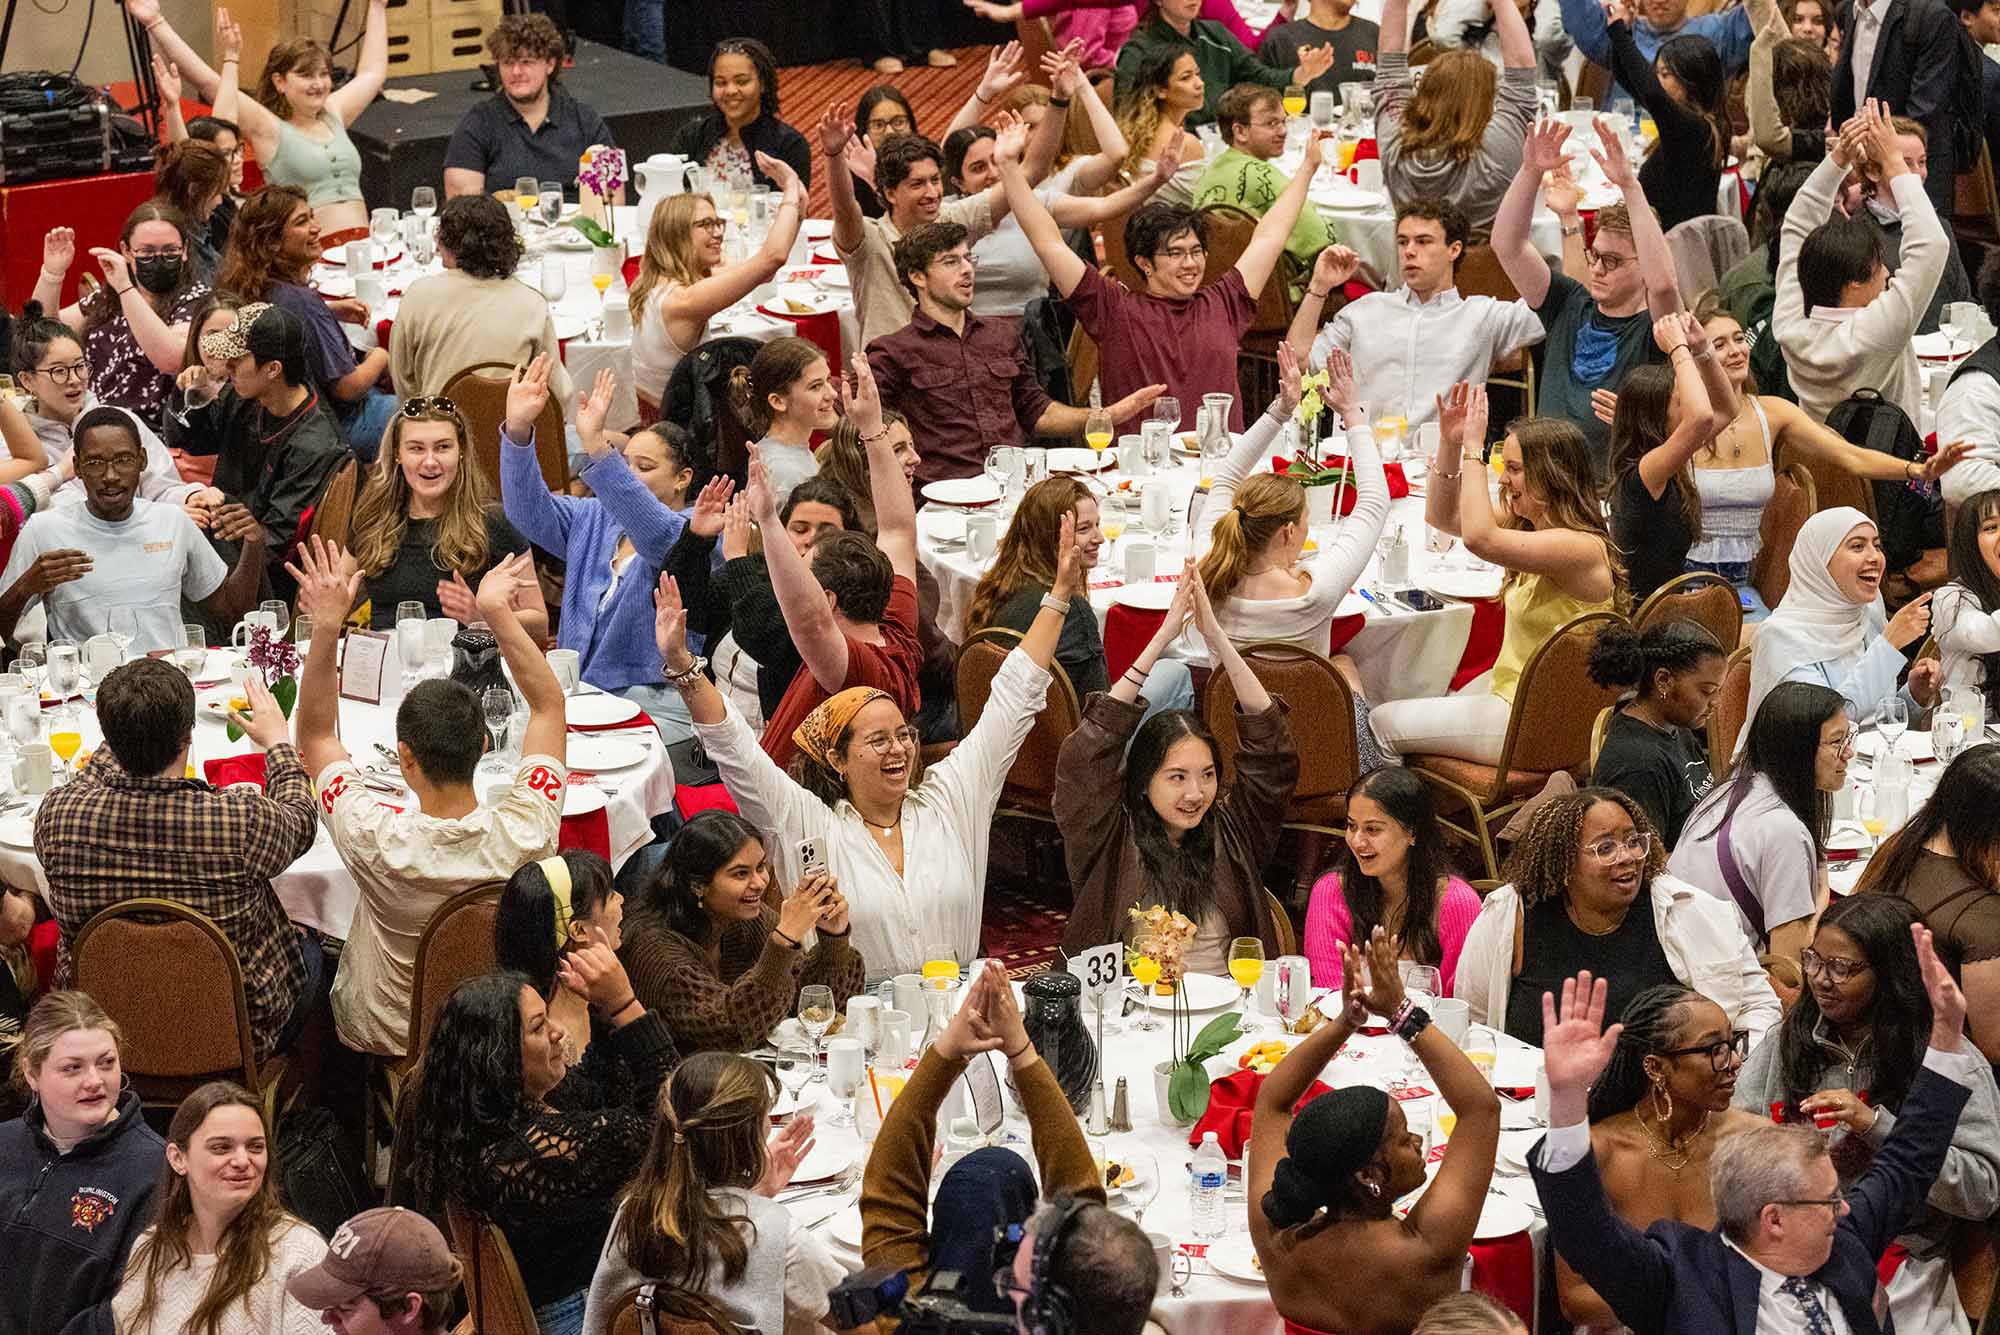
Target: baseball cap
(389, 1250)
(263, 332)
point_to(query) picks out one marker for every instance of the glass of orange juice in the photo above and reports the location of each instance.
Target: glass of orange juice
(1295, 99)
(1246, 966)
(1144, 966)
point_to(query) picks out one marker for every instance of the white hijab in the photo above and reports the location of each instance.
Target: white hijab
(1815, 622)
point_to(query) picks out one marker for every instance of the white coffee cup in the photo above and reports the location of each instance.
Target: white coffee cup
(894, 1050)
(844, 1064)
(567, 664)
(617, 317)
(982, 534)
(37, 767)
(1368, 174)
(910, 993)
(864, 1020)
(1156, 505)
(1163, 1257)
(1141, 561)
(1452, 1017)
(372, 290)
(240, 633)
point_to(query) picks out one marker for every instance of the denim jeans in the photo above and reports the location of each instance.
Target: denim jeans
(314, 988)
(646, 29)
(363, 422)
(664, 703)
(564, 1316)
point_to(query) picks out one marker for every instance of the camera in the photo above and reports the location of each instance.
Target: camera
(939, 1308)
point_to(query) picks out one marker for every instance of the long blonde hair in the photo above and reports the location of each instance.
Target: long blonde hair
(383, 514)
(1027, 554)
(244, 1256)
(669, 250)
(1264, 504)
(1142, 107)
(1449, 112)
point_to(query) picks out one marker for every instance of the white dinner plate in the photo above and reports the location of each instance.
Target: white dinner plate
(1514, 1147)
(845, 1228)
(826, 1161)
(18, 832)
(337, 256)
(1070, 459)
(1913, 745)
(1462, 583)
(1205, 992)
(334, 283)
(817, 301)
(1157, 596)
(595, 754)
(1235, 1257)
(570, 326)
(835, 279)
(816, 229)
(946, 528)
(1502, 1217)
(567, 238)
(981, 490)
(1940, 347)
(580, 799)
(598, 710)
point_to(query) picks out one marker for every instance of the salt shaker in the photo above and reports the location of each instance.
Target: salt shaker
(1121, 1113)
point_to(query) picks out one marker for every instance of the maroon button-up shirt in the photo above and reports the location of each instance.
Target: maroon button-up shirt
(964, 395)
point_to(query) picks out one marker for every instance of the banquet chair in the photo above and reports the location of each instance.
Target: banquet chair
(1036, 41)
(480, 391)
(1598, 728)
(493, 1285)
(1281, 924)
(676, 1311)
(1479, 274)
(1706, 599)
(184, 1017)
(1548, 732)
(1229, 233)
(333, 513)
(1794, 499)
(1029, 791)
(1732, 708)
(1704, 249)
(1321, 711)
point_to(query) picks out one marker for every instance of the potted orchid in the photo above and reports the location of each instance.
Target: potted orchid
(278, 660)
(1323, 484)
(600, 183)
(1158, 960)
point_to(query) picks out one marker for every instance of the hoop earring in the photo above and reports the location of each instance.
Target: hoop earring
(1660, 1092)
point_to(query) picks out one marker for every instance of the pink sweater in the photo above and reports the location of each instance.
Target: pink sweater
(1218, 11)
(1329, 926)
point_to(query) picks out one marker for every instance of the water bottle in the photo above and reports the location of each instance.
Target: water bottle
(1206, 1181)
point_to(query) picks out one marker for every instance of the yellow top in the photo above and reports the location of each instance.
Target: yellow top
(1536, 608)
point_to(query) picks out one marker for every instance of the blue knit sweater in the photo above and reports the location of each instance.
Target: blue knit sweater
(616, 644)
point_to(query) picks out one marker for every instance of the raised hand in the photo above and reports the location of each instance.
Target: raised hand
(591, 407)
(501, 586)
(1012, 141)
(1452, 408)
(1543, 150)
(736, 527)
(779, 172)
(711, 505)
(1947, 1002)
(973, 1028)
(861, 400)
(670, 624)
(58, 250)
(1204, 612)
(1610, 156)
(145, 11)
(1946, 458)
(784, 1152)
(1693, 334)
(1385, 993)
(1669, 333)
(834, 130)
(167, 78)
(1313, 62)
(1316, 143)
(1065, 69)
(1071, 568)
(1561, 192)
(456, 599)
(1334, 267)
(527, 395)
(1005, 69)
(1290, 391)
(1340, 392)
(1576, 1047)
(228, 38)
(116, 272)
(1884, 146)
(328, 580)
(1169, 161)
(264, 723)
(859, 155)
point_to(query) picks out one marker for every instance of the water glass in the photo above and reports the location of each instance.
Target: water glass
(302, 631)
(1322, 109)
(1947, 735)
(424, 201)
(497, 704)
(410, 618)
(64, 663)
(550, 200)
(555, 278)
(384, 226)
(845, 1070)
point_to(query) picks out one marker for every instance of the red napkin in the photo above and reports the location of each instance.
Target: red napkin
(590, 831)
(692, 799)
(1399, 485)
(1231, 1101)
(225, 770)
(382, 328)
(641, 717)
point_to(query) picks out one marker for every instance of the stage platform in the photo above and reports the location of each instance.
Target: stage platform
(402, 146)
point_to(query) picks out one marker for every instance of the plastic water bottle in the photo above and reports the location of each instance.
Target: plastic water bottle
(1206, 1181)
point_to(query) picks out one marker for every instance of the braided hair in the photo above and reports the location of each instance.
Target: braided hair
(1651, 1021)
(1543, 861)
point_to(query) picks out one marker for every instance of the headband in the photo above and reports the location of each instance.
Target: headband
(556, 869)
(821, 730)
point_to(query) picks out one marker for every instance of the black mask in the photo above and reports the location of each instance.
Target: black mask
(158, 274)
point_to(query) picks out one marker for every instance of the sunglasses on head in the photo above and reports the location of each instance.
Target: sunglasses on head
(433, 403)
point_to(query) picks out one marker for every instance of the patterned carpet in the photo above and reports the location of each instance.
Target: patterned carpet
(805, 91)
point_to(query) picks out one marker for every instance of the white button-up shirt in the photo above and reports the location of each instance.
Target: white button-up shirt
(1415, 350)
(1867, 31)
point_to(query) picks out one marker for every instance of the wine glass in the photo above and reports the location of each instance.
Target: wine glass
(497, 703)
(551, 201)
(1145, 1184)
(1246, 966)
(940, 964)
(1097, 430)
(1144, 966)
(815, 1015)
(198, 393)
(1295, 100)
(1166, 409)
(1892, 720)
(383, 227)
(280, 613)
(424, 202)
(555, 278)
(795, 1070)
(30, 665)
(527, 195)
(410, 618)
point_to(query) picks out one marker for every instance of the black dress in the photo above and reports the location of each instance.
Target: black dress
(1681, 174)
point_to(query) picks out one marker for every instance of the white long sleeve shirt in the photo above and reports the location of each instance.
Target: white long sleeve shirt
(1416, 350)
(947, 827)
(1964, 631)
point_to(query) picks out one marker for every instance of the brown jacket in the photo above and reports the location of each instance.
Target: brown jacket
(758, 986)
(1103, 860)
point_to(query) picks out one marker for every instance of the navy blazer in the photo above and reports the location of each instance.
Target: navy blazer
(1675, 1277)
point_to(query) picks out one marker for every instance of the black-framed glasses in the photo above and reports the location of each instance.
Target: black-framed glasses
(1605, 260)
(1719, 1052)
(906, 737)
(428, 403)
(1832, 966)
(64, 372)
(891, 125)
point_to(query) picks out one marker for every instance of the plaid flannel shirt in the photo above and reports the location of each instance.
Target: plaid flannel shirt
(111, 836)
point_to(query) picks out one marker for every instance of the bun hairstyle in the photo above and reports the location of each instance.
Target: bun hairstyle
(1264, 504)
(1627, 659)
(777, 366)
(1331, 1139)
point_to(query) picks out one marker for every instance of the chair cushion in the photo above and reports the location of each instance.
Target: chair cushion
(1478, 778)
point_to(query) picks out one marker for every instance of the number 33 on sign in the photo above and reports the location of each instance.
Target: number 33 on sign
(1098, 968)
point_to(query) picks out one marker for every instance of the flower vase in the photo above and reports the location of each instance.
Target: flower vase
(1319, 506)
(1162, 1078)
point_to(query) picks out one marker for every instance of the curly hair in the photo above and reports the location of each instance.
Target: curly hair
(1543, 861)
(470, 1096)
(479, 234)
(256, 243)
(1138, 110)
(1653, 1020)
(530, 36)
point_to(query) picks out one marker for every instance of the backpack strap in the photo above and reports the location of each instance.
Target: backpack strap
(1732, 874)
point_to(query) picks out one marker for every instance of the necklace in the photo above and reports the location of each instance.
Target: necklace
(1729, 433)
(1570, 911)
(1661, 1147)
(883, 831)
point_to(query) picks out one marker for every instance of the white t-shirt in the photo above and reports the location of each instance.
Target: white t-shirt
(406, 865)
(145, 562)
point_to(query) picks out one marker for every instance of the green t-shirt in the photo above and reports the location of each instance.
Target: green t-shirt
(1253, 185)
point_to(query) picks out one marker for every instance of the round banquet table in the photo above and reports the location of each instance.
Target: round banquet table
(1214, 1304)
(317, 890)
(1401, 654)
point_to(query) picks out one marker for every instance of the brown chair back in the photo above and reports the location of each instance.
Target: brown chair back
(493, 1285)
(1833, 486)
(1708, 600)
(676, 1311)
(1321, 711)
(1479, 274)
(1036, 41)
(1281, 924)
(1082, 357)
(1794, 499)
(1229, 233)
(1976, 212)
(182, 1013)
(1732, 709)
(333, 513)
(1556, 703)
(1597, 731)
(1117, 262)
(480, 392)
(1031, 783)
(457, 944)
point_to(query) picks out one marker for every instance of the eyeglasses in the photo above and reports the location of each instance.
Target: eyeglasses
(64, 373)
(1182, 253)
(1271, 123)
(166, 253)
(433, 403)
(1638, 843)
(1719, 1052)
(98, 464)
(891, 125)
(1833, 1202)
(715, 225)
(1599, 259)
(1845, 742)
(905, 737)
(1839, 970)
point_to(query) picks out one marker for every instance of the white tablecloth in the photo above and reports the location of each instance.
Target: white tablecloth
(1214, 1304)
(1401, 654)
(317, 890)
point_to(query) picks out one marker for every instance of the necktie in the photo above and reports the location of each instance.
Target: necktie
(1801, 1290)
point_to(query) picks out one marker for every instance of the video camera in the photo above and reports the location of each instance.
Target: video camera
(939, 1308)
